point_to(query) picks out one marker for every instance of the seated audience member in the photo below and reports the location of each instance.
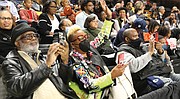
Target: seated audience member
(138, 11)
(130, 8)
(37, 6)
(91, 27)
(154, 8)
(152, 30)
(48, 22)
(166, 33)
(87, 8)
(91, 76)
(144, 64)
(118, 5)
(64, 25)
(6, 25)
(122, 16)
(27, 13)
(67, 11)
(28, 75)
(161, 14)
(172, 21)
(92, 30)
(9, 5)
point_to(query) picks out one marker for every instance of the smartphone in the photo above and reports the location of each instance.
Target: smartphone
(59, 37)
(121, 58)
(156, 34)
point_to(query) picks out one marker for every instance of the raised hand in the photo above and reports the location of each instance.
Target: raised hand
(118, 70)
(151, 45)
(52, 54)
(64, 52)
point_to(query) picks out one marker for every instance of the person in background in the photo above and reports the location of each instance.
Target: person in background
(177, 13)
(154, 8)
(9, 5)
(165, 32)
(122, 16)
(64, 25)
(119, 4)
(27, 13)
(37, 6)
(130, 8)
(6, 25)
(91, 27)
(29, 75)
(152, 30)
(138, 11)
(161, 14)
(172, 21)
(87, 8)
(48, 22)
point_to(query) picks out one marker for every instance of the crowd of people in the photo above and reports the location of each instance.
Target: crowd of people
(95, 49)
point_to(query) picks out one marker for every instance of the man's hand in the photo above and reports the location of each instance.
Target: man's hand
(118, 70)
(151, 46)
(64, 52)
(52, 54)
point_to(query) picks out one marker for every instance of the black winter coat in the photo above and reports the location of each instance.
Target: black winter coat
(21, 81)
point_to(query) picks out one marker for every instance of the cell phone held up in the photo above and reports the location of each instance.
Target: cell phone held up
(156, 34)
(59, 37)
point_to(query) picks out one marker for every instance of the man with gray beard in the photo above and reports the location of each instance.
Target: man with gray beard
(29, 75)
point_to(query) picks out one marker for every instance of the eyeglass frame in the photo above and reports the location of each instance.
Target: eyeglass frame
(29, 36)
(6, 18)
(81, 39)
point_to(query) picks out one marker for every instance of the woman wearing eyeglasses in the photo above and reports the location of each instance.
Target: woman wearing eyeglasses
(91, 78)
(48, 22)
(6, 25)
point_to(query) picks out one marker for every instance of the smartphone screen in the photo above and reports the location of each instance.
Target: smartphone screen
(121, 58)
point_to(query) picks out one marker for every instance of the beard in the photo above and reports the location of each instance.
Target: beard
(91, 11)
(32, 47)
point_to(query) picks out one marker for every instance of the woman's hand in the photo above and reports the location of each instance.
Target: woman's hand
(118, 70)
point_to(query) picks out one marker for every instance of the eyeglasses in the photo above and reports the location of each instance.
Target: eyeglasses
(80, 38)
(54, 7)
(6, 18)
(30, 36)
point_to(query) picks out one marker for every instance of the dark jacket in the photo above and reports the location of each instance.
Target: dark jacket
(5, 43)
(21, 81)
(45, 27)
(168, 92)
